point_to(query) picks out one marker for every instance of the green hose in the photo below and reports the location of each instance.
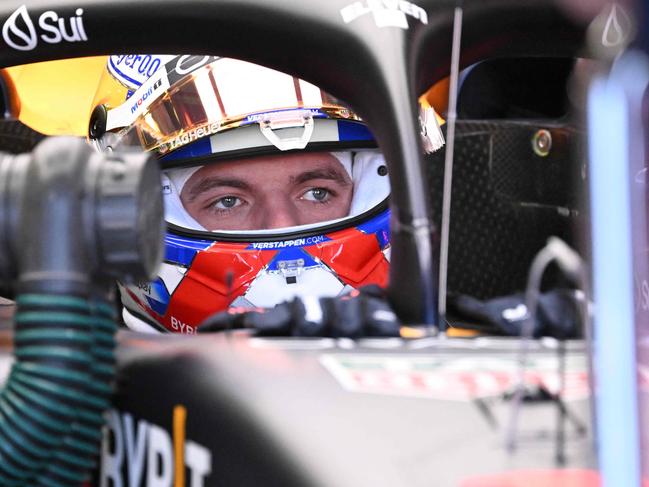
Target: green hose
(51, 409)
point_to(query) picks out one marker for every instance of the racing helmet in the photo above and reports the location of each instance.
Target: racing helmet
(230, 134)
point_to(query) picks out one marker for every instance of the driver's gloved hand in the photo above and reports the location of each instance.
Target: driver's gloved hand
(362, 313)
(557, 314)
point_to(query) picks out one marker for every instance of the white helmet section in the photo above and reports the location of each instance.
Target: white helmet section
(171, 275)
(132, 70)
(172, 185)
(269, 289)
(366, 168)
(371, 185)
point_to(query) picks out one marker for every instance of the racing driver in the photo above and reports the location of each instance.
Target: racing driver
(273, 189)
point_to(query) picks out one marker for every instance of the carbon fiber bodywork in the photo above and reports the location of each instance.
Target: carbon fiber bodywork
(506, 201)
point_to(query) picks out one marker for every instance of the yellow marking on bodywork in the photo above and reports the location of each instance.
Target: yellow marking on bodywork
(179, 423)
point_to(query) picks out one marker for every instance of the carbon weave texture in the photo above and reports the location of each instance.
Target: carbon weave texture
(16, 137)
(506, 202)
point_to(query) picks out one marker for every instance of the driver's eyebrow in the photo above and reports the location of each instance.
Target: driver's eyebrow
(327, 173)
(214, 182)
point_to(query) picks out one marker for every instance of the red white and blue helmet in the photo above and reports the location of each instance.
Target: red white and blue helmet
(196, 111)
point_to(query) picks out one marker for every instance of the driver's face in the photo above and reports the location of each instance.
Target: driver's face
(268, 192)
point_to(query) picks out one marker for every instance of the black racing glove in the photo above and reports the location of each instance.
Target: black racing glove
(361, 313)
(557, 314)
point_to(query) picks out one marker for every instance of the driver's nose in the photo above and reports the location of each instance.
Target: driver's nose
(280, 212)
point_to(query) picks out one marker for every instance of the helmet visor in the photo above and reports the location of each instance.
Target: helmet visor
(218, 96)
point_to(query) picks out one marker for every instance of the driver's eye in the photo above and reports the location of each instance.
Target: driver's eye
(227, 202)
(316, 194)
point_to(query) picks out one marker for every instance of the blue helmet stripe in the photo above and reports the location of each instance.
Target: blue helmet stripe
(292, 254)
(202, 147)
(351, 131)
(282, 244)
(181, 250)
(379, 226)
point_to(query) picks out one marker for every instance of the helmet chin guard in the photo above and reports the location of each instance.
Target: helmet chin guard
(202, 277)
